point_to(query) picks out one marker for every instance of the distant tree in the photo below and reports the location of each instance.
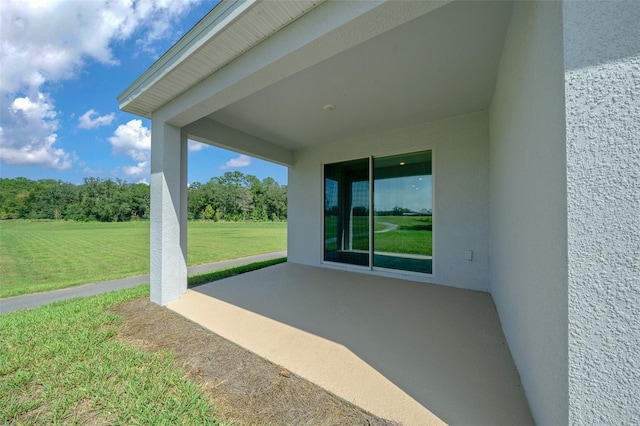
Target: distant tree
(208, 213)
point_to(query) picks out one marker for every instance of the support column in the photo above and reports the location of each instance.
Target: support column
(168, 213)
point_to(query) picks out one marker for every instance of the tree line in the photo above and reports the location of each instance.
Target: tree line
(238, 197)
(232, 197)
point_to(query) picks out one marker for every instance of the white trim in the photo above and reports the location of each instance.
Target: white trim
(382, 272)
(346, 266)
(433, 212)
(219, 18)
(322, 211)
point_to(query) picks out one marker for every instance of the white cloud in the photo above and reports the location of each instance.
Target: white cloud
(40, 109)
(51, 40)
(164, 11)
(196, 146)
(44, 41)
(86, 121)
(28, 134)
(132, 139)
(140, 169)
(89, 171)
(238, 162)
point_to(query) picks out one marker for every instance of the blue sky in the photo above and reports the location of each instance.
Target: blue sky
(64, 62)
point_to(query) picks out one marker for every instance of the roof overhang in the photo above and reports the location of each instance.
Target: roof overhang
(263, 71)
(231, 28)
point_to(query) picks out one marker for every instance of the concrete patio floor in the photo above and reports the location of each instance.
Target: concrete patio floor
(412, 352)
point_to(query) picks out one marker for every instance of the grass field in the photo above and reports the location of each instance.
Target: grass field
(99, 361)
(41, 256)
(60, 364)
(412, 235)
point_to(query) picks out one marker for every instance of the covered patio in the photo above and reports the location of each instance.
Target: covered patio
(408, 351)
(528, 114)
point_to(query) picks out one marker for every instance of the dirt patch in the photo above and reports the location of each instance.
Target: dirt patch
(247, 388)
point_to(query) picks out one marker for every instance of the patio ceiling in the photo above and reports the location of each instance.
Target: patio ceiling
(441, 64)
(255, 76)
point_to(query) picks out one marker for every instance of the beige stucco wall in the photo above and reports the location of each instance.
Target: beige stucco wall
(461, 185)
(528, 206)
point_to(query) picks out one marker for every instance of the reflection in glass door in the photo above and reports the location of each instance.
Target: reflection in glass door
(402, 220)
(346, 212)
(391, 231)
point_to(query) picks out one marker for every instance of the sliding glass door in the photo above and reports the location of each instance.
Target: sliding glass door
(402, 220)
(378, 212)
(346, 212)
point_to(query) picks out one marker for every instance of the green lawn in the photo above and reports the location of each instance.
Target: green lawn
(60, 364)
(413, 234)
(41, 256)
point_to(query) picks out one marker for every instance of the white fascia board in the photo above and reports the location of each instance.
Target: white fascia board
(329, 29)
(211, 132)
(214, 23)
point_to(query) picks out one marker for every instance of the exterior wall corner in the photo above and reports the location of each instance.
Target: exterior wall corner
(168, 242)
(602, 89)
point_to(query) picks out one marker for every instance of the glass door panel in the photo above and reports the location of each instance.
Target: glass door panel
(402, 220)
(346, 212)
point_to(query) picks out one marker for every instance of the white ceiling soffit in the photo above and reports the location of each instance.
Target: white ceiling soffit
(438, 65)
(236, 26)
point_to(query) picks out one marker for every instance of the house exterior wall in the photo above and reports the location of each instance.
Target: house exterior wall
(528, 205)
(460, 181)
(602, 79)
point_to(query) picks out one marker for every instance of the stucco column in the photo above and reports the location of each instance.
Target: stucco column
(168, 213)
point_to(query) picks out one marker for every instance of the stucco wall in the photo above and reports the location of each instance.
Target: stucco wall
(602, 58)
(461, 184)
(528, 206)
(168, 240)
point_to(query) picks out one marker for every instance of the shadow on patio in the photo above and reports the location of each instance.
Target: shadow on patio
(412, 352)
